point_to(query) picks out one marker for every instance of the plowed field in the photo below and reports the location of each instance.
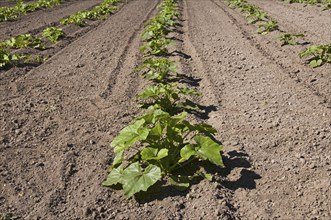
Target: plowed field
(271, 110)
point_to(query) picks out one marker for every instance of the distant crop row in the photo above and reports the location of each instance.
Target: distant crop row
(326, 4)
(162, 143)
(52, 34)
(317, 54)
(21, 8)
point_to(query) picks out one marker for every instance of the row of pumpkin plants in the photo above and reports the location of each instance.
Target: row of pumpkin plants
(162, 143)
(325, 4)
(53, 34)
(318, 54)
(21, 8)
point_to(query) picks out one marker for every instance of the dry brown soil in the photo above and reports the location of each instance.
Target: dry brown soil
(272, 113)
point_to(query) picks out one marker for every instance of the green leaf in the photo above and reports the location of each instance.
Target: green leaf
(187, 151)
(188, 91)
(114, 177)
(208, 176)
(315, 63)
(153, 115)
(150, 153)
(136, 179)
(209, 149)
(118, 158)
(177, 118)
(130, 135)
(162, 153)
(155, 133)
(152, 92)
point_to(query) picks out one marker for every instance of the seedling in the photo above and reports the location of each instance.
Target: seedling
(326, 5)
(289, 39)
(53, 34)
(8, 14)
(319, 54)
(7, 59)
(23, 41)
(257, 16)
(267, 27)
(79, 18)
(237, 3)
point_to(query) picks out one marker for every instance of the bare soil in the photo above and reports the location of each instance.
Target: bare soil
(272, 113)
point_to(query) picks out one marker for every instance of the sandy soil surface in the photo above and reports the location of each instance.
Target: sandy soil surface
(272, 113)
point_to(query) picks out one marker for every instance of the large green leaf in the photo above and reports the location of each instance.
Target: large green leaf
(136, 179)
(114, 177)
(209, 149)
(130, 135)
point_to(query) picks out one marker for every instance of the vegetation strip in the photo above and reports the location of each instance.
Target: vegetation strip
(53, 34)
(319, 54)
(326, 4)
(11, 13)
(98, 12)
(162, 143)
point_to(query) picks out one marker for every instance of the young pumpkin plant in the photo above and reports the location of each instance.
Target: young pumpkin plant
(289, 39)
(7, 58)
(257, 16)
(157, 146)
(319, 54)
(53, 34)
(23, 41)
(267, 27)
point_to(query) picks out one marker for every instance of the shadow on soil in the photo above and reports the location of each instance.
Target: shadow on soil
(247, 178)
(180, 54)
(233, 160)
